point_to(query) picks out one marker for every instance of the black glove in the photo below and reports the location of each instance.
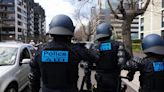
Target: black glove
(130, 75)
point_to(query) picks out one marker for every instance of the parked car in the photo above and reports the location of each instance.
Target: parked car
(13, 68)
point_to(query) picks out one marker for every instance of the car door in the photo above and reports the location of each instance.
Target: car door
(32, 51)
(24, 68)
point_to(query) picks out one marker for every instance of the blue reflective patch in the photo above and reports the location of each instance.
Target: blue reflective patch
(105, 46)
(54, 56)
(158, 66)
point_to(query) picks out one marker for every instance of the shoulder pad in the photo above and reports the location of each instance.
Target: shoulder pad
(137, 59)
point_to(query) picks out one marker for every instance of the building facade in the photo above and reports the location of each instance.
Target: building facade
(30, 19)
(17, 20)
(13, 15)
(101, 13)
(153, 19)
(39, 22)
(118, 30)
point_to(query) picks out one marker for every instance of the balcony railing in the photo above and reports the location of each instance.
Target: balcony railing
(7, 11)
(6, 4)
(8, 19)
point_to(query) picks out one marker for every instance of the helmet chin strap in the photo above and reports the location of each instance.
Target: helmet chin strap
(61, 38)
(105, 39)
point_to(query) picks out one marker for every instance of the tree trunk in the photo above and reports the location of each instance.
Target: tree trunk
(126, 33)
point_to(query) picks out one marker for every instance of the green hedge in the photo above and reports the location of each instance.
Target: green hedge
(136, 47)
(136, 41)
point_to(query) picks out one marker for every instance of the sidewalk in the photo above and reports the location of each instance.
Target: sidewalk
(135, 83)
(138, 54)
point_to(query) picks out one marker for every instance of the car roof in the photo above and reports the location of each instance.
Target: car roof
(13, 44)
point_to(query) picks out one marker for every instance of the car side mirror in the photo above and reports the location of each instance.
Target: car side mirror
(25, 61)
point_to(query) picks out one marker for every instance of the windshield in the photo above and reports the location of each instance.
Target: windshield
(7, 55)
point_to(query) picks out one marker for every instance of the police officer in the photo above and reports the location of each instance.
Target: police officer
(57, 61)
(151, 67)
(108, 66)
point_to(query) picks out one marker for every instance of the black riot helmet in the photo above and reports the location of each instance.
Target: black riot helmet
(153, 43)
(104, 30)
(61, 25)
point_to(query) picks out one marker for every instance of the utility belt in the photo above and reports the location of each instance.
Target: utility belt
(59, 87)
(107, 82)
(107, 75)
(110, 71)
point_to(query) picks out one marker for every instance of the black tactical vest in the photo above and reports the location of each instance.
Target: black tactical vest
(59, 66)
(108, 61)
(152, 75)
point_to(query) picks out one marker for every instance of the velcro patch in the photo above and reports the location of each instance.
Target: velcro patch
(54, 56)
(158, 66)
(105, 46)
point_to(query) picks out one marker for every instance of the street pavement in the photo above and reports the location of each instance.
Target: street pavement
(133, 86)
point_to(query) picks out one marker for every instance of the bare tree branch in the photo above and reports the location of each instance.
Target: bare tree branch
(128, 3)
(136, 4)
(79, 15)
(115, 14)
(131, 3)
(141, 11)
(146, 5)
(121, 8)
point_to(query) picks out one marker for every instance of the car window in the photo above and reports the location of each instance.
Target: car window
(25, 54)
(32, 50)
(8, 55)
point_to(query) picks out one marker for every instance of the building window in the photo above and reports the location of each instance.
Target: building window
(19, 10)
(162, 18)
(135, 22)
(19, 23)
(142, 28)
(142, 35)
(19, 30)
(162, 33)
(134, 36)
(162, 3)
(142, 21)
(7, 1)
(19, 16)
(19, 3)
(10, 8)
(134, 27)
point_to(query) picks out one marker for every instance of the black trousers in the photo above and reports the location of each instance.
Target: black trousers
(45, 89)
(108, 83)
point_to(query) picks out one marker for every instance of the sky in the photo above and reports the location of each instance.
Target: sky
(68, 7)
(54, 7)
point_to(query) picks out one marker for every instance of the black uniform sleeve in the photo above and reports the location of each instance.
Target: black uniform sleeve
(34, 76)
(133, 65)
(123, 55)
(85, 54)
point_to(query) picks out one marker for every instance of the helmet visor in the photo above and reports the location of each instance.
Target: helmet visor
(60, 31)
(156, 50)
(101, 36)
